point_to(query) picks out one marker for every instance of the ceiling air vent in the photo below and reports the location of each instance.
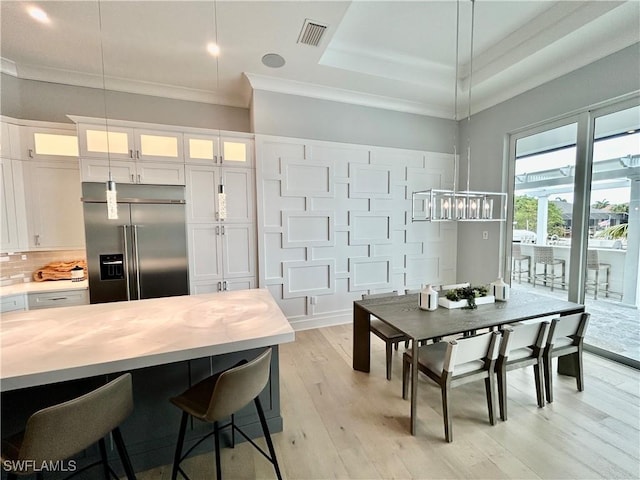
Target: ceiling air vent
(311, 33)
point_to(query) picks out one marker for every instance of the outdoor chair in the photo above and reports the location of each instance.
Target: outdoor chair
(543, 255)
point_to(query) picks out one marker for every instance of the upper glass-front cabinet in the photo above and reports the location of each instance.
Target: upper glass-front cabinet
(226, 150)
(49, 144)
(100, 141)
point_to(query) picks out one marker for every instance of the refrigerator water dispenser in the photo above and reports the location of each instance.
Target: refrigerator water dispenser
(111, 266)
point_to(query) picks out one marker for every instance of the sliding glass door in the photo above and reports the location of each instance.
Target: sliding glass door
(576, 220)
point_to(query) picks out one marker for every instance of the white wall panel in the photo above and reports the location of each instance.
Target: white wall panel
(335, 222)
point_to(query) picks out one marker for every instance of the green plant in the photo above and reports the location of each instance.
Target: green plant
(615, 232)
(467, 293)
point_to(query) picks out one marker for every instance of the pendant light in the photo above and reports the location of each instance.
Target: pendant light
(438, 205)
(111, 192)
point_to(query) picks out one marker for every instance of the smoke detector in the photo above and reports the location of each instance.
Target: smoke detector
(311, 33)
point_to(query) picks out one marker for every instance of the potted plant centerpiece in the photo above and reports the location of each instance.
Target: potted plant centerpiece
(467, 297)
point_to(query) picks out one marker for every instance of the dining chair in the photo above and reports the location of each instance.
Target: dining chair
(517, 258)
(61, 431)
(522, 345)
(543, 255)
(566, 337)
(454, 363)
(594, 265)
(218, 398)
(388, 334)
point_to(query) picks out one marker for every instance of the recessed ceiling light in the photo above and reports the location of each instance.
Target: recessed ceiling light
(213, 49)
(38, 14)
(273, 60)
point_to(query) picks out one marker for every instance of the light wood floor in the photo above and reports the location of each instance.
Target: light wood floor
(339, 423)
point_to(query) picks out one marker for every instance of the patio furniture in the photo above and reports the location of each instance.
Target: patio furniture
(454, 363)
(389, 335)
(517, 259)
(566, 336)
(543, 255)
(594, 265)
(522, 345)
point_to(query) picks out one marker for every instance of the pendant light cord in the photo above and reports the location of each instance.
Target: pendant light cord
(455, 102)
(473, 9)
(104, 90)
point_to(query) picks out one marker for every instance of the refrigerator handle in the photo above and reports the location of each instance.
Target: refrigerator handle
(137, 258)
(126, 259)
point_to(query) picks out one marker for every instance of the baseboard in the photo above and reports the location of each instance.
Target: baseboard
(321, 321)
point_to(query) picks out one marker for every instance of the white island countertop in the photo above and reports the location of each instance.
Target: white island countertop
(58, 344)
(42, 287)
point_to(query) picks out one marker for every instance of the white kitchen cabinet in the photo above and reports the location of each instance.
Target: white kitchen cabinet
(224, 150)
(203, 185)
(221, 252)
(41, 143)
(9, 140)
(63, 298)
(131, 171)
(53, 202)
(121, 143)
(13, 227)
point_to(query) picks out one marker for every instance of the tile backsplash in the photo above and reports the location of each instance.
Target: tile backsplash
(18, 267)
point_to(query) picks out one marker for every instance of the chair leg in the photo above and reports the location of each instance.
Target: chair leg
(267, 436)
(537, 373)
(595, 288)
(548, 379)
(502, 393)
(124, 456)
(103, 457)
(176, 457)
(389, 354)
(489, 385)
(579, 370)
(406, 369)
(446, 414)
(216, 435)
(233, 431)
(395, 346)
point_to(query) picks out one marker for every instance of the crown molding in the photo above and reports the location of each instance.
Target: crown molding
(291, 87)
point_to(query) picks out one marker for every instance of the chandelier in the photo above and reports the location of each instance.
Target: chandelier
(442, 205)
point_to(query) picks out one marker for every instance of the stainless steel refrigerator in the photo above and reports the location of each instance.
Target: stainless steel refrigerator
(142, 254)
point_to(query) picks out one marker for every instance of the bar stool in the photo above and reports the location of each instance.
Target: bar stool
(543, 255)
(594, 265)
(517, 258)
(59, 432)
(219, 397)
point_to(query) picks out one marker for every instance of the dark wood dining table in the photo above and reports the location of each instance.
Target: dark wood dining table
(402, 312)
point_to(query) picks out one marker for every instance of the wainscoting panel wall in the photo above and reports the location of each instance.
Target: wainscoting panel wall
(334, 222)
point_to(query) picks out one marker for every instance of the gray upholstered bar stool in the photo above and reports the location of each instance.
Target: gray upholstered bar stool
(219, 397)
(59, 432)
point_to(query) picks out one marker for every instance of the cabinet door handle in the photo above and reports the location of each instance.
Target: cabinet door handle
(138, 154)
(224, 285)
(58, 298)
(223, 230)
(219, 286)
(217, 230)
(217, 215)
(31, 153)
(133, 180)
(37, 239)
(139, 181)
(215, 159)
(130, 153)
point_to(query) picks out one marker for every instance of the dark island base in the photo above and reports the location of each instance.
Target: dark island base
(151, 432)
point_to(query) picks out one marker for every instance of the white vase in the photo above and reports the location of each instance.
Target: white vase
(500, 290)
(428, 298)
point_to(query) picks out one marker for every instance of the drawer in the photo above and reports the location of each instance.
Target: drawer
(13, 303)
(66, 298)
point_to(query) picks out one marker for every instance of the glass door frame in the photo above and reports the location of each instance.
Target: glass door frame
(585, 120)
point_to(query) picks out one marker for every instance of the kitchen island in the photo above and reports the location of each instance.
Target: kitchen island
(167, 343)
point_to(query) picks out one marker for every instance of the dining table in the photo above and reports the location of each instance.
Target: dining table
(402, 313)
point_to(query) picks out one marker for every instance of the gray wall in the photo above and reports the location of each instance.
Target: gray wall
(303, 117)
(613, 76)
(35, 100)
